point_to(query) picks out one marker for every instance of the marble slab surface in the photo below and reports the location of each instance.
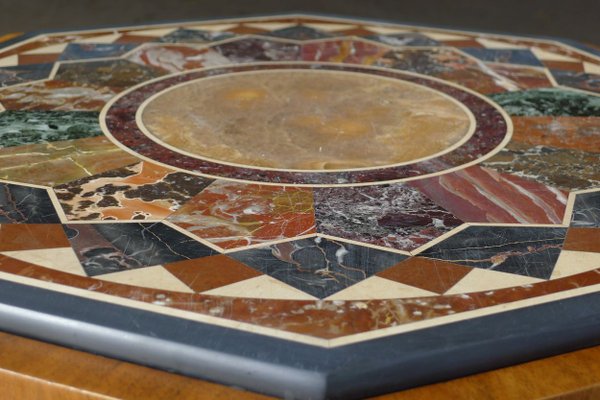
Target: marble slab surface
(301, 205)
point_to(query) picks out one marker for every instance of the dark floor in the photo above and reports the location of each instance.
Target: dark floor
(574, 19)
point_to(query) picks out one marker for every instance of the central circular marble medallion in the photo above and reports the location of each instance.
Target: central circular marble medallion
(306, 124)
(306, 120)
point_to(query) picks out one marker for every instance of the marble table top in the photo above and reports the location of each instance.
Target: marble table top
(300, 205)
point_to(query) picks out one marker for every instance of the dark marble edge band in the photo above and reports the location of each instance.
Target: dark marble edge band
(291, 13)
(294, 370)
(490, 130)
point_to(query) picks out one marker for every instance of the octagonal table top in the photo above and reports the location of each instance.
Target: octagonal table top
(301, 205)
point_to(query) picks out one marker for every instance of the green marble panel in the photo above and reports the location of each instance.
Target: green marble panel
(556, 102)
(18, 128)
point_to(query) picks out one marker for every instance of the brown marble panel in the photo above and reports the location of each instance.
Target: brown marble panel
(564, 65)
(63, 161)
(583, 239)
(433, 275)
(38, 58)
(581, 133)
(211, 272)
(32, 236)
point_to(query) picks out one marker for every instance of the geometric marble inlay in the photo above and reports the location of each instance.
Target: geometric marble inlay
(318, 266)
(305, 206)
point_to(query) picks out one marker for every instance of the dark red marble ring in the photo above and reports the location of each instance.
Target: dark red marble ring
(491, 129)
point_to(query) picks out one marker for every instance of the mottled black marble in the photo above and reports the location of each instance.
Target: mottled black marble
(194, 36)
(112, 247)
(404, 39)
(24, 73)
(509, 56)
(26, 205)
(586, 210)
(529, 251)
(112, 73)
(82, 51)
(26, 127)
(556, 102)
(255, 49)
(395, 216)
(299, 33)
(318, 266)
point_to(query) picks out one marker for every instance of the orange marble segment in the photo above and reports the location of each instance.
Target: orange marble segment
(232, 214)
(343, 51)
(140, 191)
(583, 239)
(245, 30)
(479, 194)
(63, 161)
(300, 119)
(580, 133)
(127, 38)
(38, 58)
(564, 65)
(321, 319)
(55, 95)
(523, 77)
(433, 275)
(32, 236)
(207, 273)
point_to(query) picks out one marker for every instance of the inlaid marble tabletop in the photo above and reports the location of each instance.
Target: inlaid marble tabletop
(299, 205)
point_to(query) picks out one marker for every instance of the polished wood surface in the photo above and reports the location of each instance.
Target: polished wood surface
(30, 369)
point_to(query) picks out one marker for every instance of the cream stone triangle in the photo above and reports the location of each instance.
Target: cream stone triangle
(10, 61)
(379, 288)
(445, 36)
(270, 26)
(494, 44)
(153, 32)
(591, 68)
(211, 28)
(575, 262)
(61, 259)
(261, 287)
(549, 56)
(330, 27)
(386, 30)
(101, 39)
(155, 277)
(55, 48)
(479, 280)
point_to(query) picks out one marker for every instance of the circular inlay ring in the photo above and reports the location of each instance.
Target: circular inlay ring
(490, 130)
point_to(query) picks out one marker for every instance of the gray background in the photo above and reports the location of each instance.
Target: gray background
(574, 19)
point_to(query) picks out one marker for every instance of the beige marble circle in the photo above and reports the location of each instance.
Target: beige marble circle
(306, 120)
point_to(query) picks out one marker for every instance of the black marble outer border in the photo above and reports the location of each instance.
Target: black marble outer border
(295, 370)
